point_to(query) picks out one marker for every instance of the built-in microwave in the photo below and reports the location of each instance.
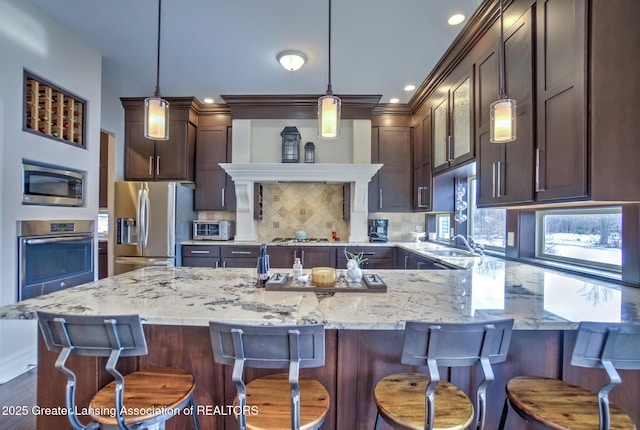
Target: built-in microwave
(213, 230)
(49, 185)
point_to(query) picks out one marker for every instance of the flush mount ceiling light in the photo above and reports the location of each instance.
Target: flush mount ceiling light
(456, 19)
(502, 114)
(156, 109)
(394, 100)
(292, 60)
(329, 106)
(410, 87)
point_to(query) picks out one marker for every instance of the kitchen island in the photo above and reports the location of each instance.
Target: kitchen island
(364, 330)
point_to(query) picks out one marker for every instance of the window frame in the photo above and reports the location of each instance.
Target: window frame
(586, 210)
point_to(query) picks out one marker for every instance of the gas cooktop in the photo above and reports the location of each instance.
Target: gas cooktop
(294, 240)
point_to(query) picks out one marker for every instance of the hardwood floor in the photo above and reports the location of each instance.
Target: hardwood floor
(16, 396)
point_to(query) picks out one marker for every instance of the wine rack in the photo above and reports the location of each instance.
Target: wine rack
(52, 112)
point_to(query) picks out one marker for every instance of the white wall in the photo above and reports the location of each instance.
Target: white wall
(30, 40)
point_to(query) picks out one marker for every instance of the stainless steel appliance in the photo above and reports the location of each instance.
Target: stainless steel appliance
(54, 255)
(378, 230)
(152, 218)
(213, 230)
(48, 185)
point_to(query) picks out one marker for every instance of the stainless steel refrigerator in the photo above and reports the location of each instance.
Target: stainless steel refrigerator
(152, 218)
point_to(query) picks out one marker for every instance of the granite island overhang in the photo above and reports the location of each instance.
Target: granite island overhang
(364, 330)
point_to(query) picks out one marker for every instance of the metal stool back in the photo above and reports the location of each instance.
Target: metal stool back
(112, 336)
(269, 347)
(453, 345)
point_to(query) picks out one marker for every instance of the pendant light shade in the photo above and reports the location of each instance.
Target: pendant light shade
(329, 106)
(156, 109)
(502, 116)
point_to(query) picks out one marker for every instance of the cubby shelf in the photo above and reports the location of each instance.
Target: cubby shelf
(52, 112)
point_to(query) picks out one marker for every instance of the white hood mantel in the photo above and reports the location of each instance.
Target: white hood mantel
(244, 176)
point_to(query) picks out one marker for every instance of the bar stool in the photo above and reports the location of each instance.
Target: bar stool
(418, 401)
(280, 401)
(148, 397)
(556, 404)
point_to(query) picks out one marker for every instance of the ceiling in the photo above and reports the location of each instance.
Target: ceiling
(228, 47)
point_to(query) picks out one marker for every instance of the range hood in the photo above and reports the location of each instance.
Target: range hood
(244, 176)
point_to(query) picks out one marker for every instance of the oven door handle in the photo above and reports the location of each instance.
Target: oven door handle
(43, 240)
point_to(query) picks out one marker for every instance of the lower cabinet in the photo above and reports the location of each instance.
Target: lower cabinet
(240, 256)
(103, 260)
(408, 260)
(282, 257)
(201, 255)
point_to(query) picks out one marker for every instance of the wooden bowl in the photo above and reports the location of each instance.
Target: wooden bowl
(323, 277)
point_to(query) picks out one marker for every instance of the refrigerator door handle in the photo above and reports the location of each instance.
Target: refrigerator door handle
(146, 215)
(139, 222)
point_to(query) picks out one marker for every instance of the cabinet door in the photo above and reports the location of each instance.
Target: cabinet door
(461, 147)
(422, 164)
(394, 178)
(210, 178)
(282, 257)
(175, 157)
(440, 142)
(317, 256)
(561, 154)
(139, 154)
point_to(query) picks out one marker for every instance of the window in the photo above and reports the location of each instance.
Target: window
(585, 236)
(486, 225)
(443, 227)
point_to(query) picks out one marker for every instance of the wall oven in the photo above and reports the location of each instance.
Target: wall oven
(48, 185)
(54, 255)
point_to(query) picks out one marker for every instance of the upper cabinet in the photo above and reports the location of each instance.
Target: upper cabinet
(390, 188)
(422, 189)
(505, 170)
(162, 160)
(453, 142)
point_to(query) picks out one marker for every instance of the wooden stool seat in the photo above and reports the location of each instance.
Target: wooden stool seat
(271, 397)
(560, 405)
(147, 394)
(400, 399)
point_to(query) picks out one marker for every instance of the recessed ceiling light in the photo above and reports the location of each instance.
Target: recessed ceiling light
(394, 100)
(292, 60)
(456, 19)
(410, 87)
(208, 100)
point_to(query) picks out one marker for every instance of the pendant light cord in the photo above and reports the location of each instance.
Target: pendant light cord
(329, 91)
(157, 93)
(501, 76)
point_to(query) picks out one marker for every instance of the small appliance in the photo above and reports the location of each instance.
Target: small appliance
(213, 230)
(48, 185)
(378, 229)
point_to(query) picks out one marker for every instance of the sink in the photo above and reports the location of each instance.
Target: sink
(450, 253)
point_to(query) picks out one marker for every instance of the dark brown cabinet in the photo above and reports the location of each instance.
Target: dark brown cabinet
(377, 257)
(103, 259)
(171, 160)
(282, 257)
(452, 131)
(214, 188)
(201, 255)
(390, 188)
(240, 255)
(505, 170)
(422, 188)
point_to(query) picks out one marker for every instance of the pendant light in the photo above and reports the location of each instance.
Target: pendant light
(503, 111)
(329, 106)
(156, 109)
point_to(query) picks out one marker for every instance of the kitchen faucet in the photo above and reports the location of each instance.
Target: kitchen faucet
(471, 245)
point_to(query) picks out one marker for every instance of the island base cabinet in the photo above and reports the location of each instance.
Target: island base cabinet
(355, 360)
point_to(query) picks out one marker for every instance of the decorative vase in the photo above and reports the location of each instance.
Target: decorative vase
(354, 273)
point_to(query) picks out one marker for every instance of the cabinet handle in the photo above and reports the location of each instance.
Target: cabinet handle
(499, 178)
(420, 197)
(493, 179)
(217, 264)
(199, 252)
(222, 201)
(157, 165)
(302, 253)
(406, 262)
(151, 165)
(241, 252)
(224, 264)
(539, 186)
(420, 265)
(380, 201)
(449, 148)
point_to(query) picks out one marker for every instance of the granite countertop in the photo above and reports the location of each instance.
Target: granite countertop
(537, 298)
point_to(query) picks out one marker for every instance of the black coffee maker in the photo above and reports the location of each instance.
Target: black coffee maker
(378, 230)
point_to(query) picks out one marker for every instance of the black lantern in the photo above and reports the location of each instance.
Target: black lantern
(309, 152)
(290, 145)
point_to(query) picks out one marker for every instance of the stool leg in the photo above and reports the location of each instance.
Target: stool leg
(505, 411)
(194, 413)
(378, 422)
